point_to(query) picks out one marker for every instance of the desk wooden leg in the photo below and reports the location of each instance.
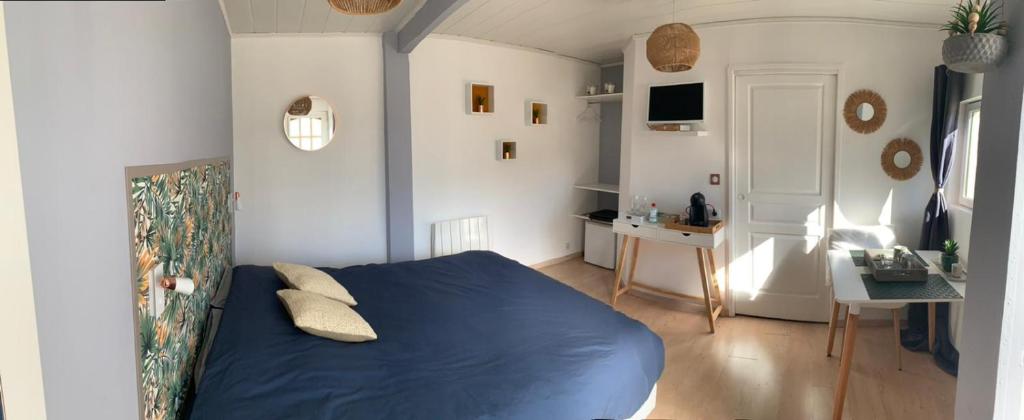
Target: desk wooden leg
(832, 327)
(619, 269)
(931, 327)
(632, 264)
(702, 263)
(716, 291)
(849, 337)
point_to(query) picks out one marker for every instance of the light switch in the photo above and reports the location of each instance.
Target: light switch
(716, 179)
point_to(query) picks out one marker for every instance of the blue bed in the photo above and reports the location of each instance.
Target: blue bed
(474, 335)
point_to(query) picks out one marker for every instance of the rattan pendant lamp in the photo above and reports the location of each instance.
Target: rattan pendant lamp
(673, 47)
(363, 7)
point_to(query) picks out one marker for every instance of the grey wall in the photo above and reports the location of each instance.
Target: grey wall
(610, 139)
(99, 86)
(989, 385)
(340, 190)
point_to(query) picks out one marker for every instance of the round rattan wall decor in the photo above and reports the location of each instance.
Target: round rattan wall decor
(864, 111)
(902, 159)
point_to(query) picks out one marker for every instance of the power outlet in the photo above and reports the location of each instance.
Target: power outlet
(568, 245)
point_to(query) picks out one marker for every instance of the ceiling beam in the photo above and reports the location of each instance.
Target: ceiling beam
(425, 21)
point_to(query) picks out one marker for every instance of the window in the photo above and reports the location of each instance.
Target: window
(969, 152)
(307, 133)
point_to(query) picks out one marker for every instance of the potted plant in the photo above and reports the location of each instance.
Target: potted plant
(536, 116)
(976, 43)
(949, 255)
(481, 102)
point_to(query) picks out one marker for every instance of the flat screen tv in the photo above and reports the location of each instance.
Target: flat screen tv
(676, 104)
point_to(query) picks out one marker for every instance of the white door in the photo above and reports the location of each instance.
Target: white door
(784, 135)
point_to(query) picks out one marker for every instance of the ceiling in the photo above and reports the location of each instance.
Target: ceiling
(309, 16)
(592, 30)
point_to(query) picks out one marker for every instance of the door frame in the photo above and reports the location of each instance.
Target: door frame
(734, 71)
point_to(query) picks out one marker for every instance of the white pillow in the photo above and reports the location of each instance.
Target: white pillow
(324, 317)
(309, 279)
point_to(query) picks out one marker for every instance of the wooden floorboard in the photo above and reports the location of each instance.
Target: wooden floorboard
(756, 368)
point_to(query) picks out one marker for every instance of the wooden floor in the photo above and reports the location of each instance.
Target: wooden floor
(756, 368)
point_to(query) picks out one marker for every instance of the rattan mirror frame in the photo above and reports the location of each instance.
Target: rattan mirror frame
(850, 111)
(889, 155)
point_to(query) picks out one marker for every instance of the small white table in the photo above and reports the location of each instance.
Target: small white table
(848, 289)
(704, 242)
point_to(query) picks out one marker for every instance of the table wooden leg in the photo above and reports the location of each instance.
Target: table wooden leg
(702, 264)
(846, 319)
(619, 269)
(931, 326)
(849, 337)
(896, 331)
(832, 327)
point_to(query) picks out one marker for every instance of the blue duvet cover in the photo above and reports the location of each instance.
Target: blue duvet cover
(469, 336)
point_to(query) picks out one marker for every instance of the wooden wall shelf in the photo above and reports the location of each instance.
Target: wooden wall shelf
(674, 129)
(536, 113)
(480, 98)
(506, 150)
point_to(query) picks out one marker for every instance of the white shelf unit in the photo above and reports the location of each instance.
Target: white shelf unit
(581, 216)
(604, 97)
(598, 187)
(608, 188)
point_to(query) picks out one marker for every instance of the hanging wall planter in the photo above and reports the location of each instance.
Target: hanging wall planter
(977, 53)
(976, 43)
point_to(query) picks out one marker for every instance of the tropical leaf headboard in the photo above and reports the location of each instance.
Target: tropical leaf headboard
(181, 226)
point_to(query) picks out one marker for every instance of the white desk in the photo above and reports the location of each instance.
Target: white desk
(848, 289)
(705, 243)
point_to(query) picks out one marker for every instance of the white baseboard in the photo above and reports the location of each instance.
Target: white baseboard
(558, 260)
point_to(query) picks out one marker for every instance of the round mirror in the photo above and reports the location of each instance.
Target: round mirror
(865, 112)
(309, 123)
(901, 159)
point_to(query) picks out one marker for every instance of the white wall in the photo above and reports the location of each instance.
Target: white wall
(895, 62)
(322, 208)
(456, 173)
(99, 86)
(21, 392)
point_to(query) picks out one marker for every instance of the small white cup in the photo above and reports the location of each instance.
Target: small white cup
(591, 90)
(958, 270)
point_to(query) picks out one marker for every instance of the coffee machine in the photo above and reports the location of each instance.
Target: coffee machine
(697, 213)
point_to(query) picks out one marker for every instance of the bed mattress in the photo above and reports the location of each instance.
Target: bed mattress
(469, 336)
